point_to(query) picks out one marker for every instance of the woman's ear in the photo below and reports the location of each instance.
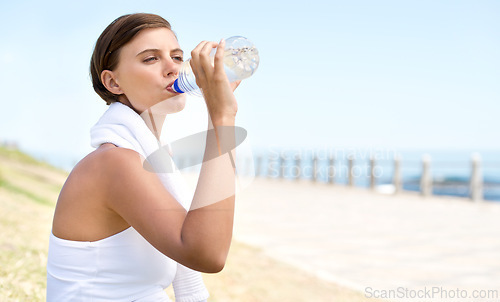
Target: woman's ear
(109, 81)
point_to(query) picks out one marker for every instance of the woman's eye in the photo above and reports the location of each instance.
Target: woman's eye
(180, 59)
(150, 59)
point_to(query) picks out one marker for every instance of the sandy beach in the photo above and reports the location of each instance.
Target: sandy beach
(373, 242)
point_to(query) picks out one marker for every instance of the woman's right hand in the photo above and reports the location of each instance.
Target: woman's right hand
(212, 80)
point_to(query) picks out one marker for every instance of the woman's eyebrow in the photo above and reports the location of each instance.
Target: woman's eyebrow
(158, 50)
(148, 50)
(177, 50)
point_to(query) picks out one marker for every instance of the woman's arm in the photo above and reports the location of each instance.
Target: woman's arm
(199, 238)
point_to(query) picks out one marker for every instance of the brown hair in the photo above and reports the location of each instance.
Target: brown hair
(113, 38)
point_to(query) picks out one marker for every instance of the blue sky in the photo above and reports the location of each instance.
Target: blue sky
(353, 74)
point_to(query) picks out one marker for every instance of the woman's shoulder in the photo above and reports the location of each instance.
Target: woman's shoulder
(82, 211)
(105, 165)
(108, 157)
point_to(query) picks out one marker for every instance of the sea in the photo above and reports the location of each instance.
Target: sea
(451, 169)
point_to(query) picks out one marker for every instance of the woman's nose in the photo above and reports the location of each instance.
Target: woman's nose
(171, 68)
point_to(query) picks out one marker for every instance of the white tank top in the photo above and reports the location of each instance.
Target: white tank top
(122, 267)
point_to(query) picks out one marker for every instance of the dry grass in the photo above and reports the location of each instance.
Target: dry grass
(28, 191)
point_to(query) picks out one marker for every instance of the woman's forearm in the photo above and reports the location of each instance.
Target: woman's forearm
(207, 229)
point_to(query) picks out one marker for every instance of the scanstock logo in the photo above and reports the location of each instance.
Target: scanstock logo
(173, 156)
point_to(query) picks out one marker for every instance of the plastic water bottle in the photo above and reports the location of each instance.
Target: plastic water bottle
(241, 60)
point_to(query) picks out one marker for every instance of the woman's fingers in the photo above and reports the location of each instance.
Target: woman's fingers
(206, 68)
(212, 79)
(196, 65)
(206, 60)
(219, 59)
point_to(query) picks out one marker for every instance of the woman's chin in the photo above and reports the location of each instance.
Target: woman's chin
(171, 105)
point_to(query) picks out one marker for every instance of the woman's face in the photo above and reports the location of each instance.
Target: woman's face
(147, 65)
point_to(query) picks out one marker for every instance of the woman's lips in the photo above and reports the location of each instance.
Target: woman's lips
(170, 89)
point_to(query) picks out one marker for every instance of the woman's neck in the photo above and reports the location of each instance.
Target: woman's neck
(154, 121)
(155, 116)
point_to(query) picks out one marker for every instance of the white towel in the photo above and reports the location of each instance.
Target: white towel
(123, 127)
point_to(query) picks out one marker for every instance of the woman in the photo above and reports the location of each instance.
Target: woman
(120, 232)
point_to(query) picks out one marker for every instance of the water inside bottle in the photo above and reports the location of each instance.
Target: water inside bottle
(242, 61)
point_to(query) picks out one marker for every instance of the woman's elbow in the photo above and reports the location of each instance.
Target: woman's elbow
(213, 264)
(203, 258)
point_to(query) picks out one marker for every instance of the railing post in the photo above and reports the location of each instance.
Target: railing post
(315, 168)
(270, 164)
(372, 173)
(350, 165)
(258, 163)
(331, 169)
(281, 167)
(397, 180)
(476, 179)
(297, 164)
(426, 178)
